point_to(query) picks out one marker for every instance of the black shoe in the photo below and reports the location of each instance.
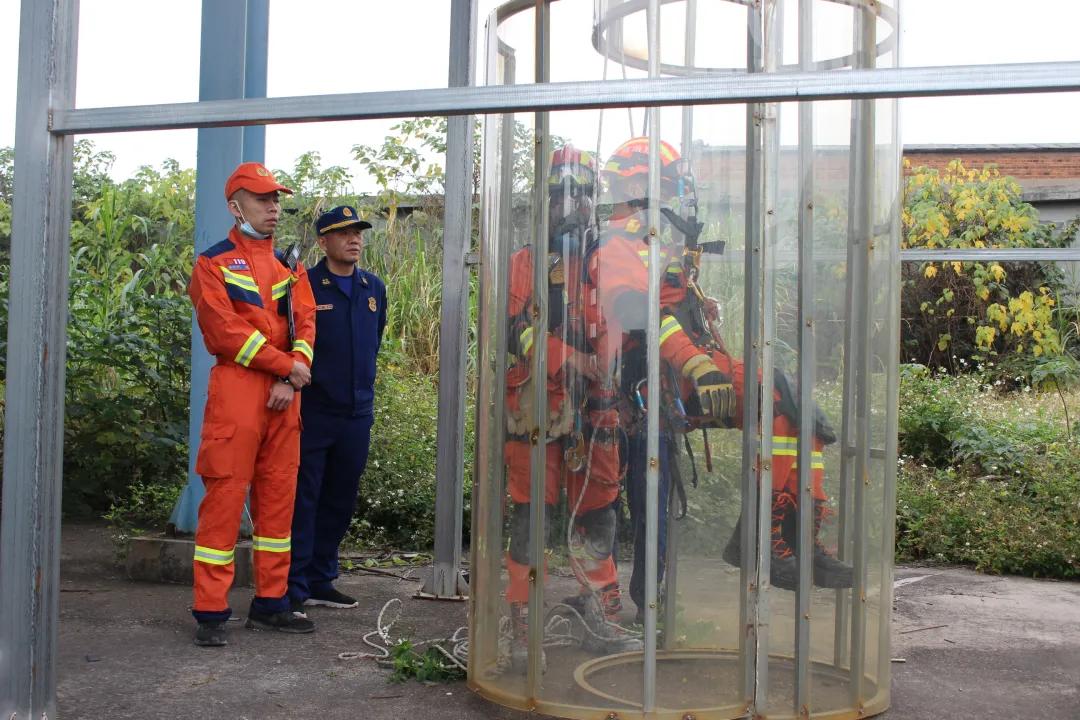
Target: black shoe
(331, 598)
(830, 572)
(732, 553)
(211, 634)
(283, 621)
(576, 601)
(297, 608)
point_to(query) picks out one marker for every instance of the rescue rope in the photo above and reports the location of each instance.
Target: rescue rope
(388, 617)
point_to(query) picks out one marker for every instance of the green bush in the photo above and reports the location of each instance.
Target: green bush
(144, 507)
(996, 525)
(397, 491)
(987, 478)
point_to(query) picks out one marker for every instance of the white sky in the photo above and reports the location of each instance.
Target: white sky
(136, 52)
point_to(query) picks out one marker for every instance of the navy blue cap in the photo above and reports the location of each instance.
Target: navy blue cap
(340, 217)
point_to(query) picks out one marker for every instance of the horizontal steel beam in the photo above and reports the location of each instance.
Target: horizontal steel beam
(720, 88)
(992, 254)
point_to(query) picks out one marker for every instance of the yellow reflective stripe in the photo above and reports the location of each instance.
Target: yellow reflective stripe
(277, 290)
(785, 445)
(211, 556)
(668, 328)
(526, 340)
(249, 348)
(242, 281)
(301, 346)
(268, 544)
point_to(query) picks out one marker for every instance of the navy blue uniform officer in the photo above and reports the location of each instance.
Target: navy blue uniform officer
(337, 408)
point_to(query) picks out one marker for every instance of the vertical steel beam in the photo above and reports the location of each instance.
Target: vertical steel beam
(756, 482)
(255, 61)
(652, 344)
(892, 402)
(221, 76)
(37, 337)
(446, 580)
(539, 436)
(807, 365)
(671, 556)
(489, 487)
(862, 199)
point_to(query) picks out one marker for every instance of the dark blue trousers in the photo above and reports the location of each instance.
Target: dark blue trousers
(333, 454)
(635, 495)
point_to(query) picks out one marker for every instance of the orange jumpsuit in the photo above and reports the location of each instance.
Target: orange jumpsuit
(619, 269)
(238, 290)
(591, 495)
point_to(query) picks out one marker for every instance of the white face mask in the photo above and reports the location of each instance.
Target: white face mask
(246, 227)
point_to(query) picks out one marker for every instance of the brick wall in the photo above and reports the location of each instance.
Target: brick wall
(1047, 164)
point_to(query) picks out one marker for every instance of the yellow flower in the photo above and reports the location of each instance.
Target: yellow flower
(930, 271)
(958, 267)
(998, 272)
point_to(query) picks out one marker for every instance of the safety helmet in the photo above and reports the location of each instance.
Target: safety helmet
(568, 164)
(570, 183)
(628, 167)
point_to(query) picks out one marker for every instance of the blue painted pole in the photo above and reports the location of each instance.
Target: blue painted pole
(221, 76)
(257, 44)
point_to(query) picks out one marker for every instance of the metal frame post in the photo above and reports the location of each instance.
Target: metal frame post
(757, 479)
(256, 56)
(37, 338)
(671, 556)
(538, 455)
(652, 344)
(489, 484)
(446, 581)
(807, 365)
(861, 223)
(221, 76)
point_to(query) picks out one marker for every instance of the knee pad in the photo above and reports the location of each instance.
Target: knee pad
(519, 531)
(597, 528)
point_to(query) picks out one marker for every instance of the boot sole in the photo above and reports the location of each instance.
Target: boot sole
(257, 625)
(211, 643)
(312, 602)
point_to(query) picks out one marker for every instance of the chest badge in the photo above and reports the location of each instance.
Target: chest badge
(326, 281)
(325, 307)
(371, 304)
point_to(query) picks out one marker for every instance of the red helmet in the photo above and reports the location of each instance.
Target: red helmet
(573, 165)
(631, 161)
(570, 184)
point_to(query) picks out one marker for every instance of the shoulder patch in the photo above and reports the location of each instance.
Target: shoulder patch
(220, 248)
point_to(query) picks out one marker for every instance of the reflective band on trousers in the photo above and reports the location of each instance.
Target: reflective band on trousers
(302, 347)
(668, 328)
(787, 445)
(249, 348)
(213, 557)
(269, 544)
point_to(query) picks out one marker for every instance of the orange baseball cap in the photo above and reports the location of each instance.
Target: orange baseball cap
(253, 177)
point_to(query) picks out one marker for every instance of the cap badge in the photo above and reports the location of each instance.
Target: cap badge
(371, 304)
(633, 225)
(346, 212)
(262, 171)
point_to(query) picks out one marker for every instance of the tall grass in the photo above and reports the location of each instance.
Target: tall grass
(408, 258)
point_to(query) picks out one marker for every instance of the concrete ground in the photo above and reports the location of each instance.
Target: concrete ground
(973, 646)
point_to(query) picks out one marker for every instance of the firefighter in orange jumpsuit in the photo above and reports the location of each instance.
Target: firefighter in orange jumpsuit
(696, 367)
(582, 451)
(251, 429)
